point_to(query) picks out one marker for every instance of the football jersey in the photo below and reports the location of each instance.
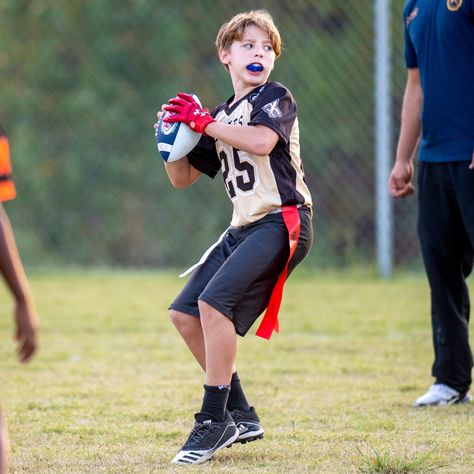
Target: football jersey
(7, 187)
(257, 185)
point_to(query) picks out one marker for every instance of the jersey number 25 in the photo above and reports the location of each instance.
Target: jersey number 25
(239, 174)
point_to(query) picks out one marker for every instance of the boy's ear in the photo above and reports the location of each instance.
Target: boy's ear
(224, 56)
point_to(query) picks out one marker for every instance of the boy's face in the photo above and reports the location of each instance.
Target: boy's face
(255, 51)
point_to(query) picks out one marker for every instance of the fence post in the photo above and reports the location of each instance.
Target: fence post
(383, 130)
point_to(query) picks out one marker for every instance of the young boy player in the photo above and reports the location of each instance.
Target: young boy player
(253, 138)
(12, 271)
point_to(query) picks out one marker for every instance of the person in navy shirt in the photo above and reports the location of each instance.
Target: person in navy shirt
(438, 121)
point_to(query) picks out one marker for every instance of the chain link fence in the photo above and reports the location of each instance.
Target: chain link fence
(81, 84)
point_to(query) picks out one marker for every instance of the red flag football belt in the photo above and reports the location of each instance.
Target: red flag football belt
(269, 322)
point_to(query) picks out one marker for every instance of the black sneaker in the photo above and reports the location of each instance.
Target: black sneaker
(248, 424)
(206, 438)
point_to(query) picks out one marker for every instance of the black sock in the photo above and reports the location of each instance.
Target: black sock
(214, 403)
(237, 398)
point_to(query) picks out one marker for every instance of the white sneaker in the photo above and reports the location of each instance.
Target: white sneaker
(441, 394)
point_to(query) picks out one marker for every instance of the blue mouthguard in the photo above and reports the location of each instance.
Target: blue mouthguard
(255, 67)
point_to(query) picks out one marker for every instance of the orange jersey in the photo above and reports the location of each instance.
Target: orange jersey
(7, 186)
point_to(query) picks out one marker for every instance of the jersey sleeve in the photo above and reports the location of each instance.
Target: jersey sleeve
(275, 108)
(204, 157)
(7, 186)
(411, 60)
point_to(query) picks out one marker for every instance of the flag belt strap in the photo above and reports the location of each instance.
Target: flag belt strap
(269, 322)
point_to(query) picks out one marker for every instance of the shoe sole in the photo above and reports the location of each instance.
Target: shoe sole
(453, 401)
(210, 453)
(251, 437)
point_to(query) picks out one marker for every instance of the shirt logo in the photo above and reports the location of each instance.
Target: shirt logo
(255, 95)
(411, 16)
(454, 5)
(272, 109)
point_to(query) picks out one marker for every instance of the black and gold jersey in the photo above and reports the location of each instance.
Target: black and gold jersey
(257, 185)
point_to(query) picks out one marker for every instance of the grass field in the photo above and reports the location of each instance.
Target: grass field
(113, 389)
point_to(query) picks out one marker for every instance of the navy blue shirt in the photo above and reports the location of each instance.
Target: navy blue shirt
(439, 41)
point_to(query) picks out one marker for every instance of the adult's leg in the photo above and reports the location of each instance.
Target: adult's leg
(446, 249)
(464, 180)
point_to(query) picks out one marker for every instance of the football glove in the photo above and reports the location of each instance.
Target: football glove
(186, 110)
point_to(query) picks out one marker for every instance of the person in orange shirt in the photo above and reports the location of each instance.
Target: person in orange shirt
(11, 268)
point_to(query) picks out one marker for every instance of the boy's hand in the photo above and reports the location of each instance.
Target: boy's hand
(159, 116)
(26, 329)
(186, 110)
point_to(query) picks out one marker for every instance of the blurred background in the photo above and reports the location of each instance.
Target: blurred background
(81, 82)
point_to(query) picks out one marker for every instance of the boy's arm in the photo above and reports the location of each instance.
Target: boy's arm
(255, 139)
(12, 271)
(181, 173)
(400, 184)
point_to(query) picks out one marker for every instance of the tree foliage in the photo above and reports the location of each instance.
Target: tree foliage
(81, 84)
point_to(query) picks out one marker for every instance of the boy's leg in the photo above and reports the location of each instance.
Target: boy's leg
(237, 399)
(184, 310)
(221, 348)
(190, 330)
(214, 428)
(220, 341)
(189, 327)
(3, 446)
(226, 282)
(244, 416)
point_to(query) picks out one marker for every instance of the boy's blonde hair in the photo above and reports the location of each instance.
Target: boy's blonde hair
(234, 29)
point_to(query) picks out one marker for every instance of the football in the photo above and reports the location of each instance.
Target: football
(175, 140)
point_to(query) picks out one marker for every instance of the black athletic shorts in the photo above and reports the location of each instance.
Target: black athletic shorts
(239, 274)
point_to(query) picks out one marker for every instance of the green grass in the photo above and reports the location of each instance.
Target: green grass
(389, 463)
(113, 388)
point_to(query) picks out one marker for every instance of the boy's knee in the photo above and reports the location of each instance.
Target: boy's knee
(205, 310)
(209, 314)
(176, 318)
(183, 322)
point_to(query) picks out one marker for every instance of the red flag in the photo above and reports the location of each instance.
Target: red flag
(270, 319)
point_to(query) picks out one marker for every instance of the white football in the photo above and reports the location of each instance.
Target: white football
(175, 140)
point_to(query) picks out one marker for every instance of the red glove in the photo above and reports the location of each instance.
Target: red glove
(186, 110)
